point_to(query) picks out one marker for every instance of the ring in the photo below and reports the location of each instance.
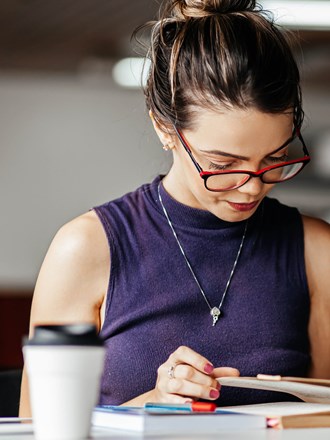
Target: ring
(170, 372)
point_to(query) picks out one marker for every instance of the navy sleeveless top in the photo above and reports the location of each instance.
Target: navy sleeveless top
(154, 305)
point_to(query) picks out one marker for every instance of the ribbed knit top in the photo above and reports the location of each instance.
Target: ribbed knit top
(154, 305)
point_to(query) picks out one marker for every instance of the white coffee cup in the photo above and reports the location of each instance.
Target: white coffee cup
(64, 365)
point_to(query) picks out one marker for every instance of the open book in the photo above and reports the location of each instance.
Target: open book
(313, 412)
(289, 414)
(308, 390)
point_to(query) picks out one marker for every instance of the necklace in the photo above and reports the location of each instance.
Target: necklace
(215, 312)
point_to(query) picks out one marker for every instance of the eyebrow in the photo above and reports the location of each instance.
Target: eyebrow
(237, 156)
(222, 153)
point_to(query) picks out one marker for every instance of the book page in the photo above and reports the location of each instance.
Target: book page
(304, 391)
(308, 380)
(279, 408)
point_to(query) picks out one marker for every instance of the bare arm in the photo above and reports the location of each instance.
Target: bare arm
(71, 287)
(72, 282)
(317, 257)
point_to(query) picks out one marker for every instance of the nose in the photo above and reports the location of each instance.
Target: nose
(253, 186)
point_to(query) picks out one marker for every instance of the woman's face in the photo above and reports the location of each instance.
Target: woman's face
(232, 139)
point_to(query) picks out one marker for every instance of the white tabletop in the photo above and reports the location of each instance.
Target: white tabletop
(258, 434)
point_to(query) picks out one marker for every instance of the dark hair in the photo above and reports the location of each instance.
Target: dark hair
(216, 54)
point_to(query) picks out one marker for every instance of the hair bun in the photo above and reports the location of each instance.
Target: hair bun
(203, 8)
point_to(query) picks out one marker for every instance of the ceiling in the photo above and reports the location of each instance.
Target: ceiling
(60, 35)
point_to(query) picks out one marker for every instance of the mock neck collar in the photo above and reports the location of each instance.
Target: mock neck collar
(186, 216)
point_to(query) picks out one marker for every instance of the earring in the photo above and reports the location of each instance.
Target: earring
(168, 146)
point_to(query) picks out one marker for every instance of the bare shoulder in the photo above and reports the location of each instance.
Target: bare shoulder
(80, 245)
(317, 253)
(317, 258)
(316, 228)
(82, 237)
(73, 279)
(317, 238)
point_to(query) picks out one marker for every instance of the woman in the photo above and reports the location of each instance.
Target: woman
(199, 274)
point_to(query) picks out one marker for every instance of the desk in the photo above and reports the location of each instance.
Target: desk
(260, 434)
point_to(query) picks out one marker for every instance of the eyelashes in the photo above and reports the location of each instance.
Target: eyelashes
(283, 158)
(231, 165)
(219, 167)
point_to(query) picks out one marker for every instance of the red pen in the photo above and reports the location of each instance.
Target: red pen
(184, 407)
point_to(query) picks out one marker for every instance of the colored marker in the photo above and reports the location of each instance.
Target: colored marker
(184, 407)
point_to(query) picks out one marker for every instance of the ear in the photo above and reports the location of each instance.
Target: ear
(166, 138)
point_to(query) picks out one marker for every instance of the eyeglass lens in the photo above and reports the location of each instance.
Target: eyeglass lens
(283, 171)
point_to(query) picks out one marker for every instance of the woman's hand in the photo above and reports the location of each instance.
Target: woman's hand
(187, 376)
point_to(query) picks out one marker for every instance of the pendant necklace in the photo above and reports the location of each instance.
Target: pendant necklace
(215, 312)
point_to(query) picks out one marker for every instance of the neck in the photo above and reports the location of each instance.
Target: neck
(175, 186)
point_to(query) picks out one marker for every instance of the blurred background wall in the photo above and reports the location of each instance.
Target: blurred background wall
(71, 137)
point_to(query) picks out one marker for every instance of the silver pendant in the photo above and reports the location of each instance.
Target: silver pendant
(215, 313)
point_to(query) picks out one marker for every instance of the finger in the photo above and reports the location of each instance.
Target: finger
(186, 388)
(225, 371)
(174, 398)
(185, 355)
(186, 372)
(166, 395)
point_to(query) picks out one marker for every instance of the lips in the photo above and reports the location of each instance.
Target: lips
(243, 206)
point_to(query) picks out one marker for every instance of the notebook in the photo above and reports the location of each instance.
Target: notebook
(139, 420)
(290, 414)
(15, 425)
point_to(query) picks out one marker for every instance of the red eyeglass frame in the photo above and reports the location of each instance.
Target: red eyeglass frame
(206, 174)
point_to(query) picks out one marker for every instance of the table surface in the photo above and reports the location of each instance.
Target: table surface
(256, 434)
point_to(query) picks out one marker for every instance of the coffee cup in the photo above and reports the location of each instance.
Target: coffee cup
(64, 364)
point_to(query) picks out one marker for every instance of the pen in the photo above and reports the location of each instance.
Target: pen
(177, 407)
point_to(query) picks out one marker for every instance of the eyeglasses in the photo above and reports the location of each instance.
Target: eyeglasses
(229, 180)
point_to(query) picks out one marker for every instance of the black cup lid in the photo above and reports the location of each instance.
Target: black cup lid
(70, 334)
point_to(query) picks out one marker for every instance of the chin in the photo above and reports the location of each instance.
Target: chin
(233, 218)
(231, 215)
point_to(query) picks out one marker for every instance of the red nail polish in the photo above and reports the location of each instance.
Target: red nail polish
(208, 368)
(214, 394)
